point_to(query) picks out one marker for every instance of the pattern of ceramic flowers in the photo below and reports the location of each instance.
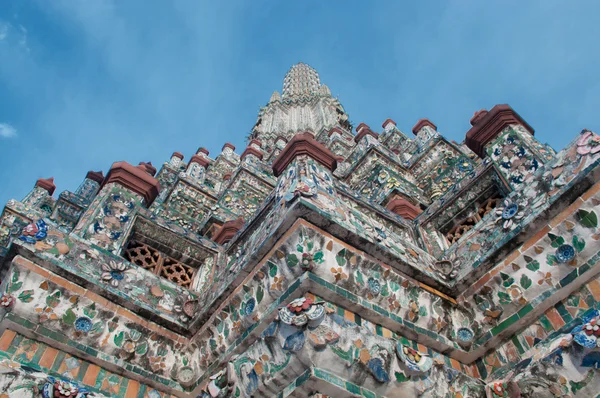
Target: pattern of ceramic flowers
(588, 143)
(413, 359)
(6, 301)
(509, 214)
(113, 272)
(64, 389)
(301, 311)
(393, 183)
(133, 344)
(34, 232)
(446, 269)
(499, 389)
(588, 333)
(307, 262)
(300, 304)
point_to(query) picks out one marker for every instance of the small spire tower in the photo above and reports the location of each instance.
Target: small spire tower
(304, 105)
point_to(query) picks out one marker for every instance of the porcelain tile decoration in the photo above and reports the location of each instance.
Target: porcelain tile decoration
(323, 260)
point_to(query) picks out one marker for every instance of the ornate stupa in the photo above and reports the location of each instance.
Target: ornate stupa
(321, 260)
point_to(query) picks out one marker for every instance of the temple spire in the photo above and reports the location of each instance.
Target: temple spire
(300, 81)
(304, 105)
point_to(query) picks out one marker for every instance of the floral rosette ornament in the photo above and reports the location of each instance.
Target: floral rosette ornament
(499, 389)
(131, 344)
(185, 307)
(509, 214)
(34, 232)
(413, 359)
(446, 269)
(307, 262)
(301, 311)
(55, 388)
(65, 389)
(587, 334)
(7, 302)
(588, 143)
(113, 272)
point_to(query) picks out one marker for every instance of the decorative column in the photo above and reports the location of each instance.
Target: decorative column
(424, 129)
(305, 168)
(280, 142)
(392, 137)
(507, 140)
(125, 189)
(364, 131)
(278, 145)
(224, 182)
(196, 169)
(228, 150)
(167, 177)
(70, 206)
(389, 125)
(43, 188)
(251, 154)
(256, 144)
(90, 185)
(334, 133)
(176, 159)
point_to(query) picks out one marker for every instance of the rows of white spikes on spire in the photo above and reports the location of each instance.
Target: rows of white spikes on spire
(301, 80)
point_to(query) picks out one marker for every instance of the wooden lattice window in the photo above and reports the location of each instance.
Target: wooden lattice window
(468, 223)
(158, 263)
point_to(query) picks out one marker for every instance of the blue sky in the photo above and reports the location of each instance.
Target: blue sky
(87, 83)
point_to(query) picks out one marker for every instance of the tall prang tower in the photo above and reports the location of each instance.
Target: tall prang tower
(322, 260)
(304, 105)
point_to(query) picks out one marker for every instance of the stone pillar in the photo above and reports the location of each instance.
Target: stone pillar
(389, 125)
(224, 182)
(305, 170)
(90, 185)
(507, 140)
(43, 188)
(334, 133)
(176, 159)
(196, 169)
(280, 142)
(228, 149)
(393, 138)
(202, 152)
(256, 144)
(251, 154)
(70, 206)
(364, 131)
(125, 189)
(424, 129)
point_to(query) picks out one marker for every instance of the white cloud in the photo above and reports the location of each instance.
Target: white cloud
(7, 131)
(23, 40)
(3, 30)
